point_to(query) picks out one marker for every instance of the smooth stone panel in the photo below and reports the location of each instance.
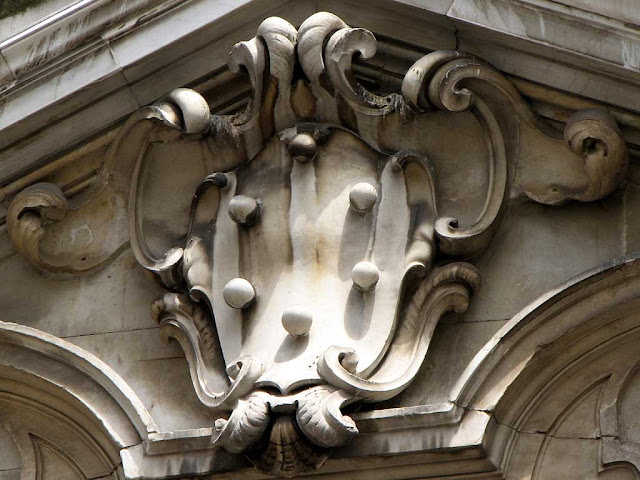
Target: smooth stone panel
(9, 456)
(157, 372)
(453, 346)
(631, 230)
(113, 299)
(107, 313)
(539, 247)
(10, 475)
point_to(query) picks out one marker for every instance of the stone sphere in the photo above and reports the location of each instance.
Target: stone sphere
(238, 293)
(297, 320)
(363, 196)
(365, 275)
(302, 147)
(243, 209)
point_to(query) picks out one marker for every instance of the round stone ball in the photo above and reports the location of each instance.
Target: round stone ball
(365, 276)
(243, 209)
(238, 293)
(297, 320)
(302, 147)
(363, 196)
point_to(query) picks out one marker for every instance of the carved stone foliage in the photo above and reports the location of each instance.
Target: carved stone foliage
(312, 242)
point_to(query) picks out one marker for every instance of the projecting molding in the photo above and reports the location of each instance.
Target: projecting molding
(68, 412)
(80, 81)
(320, 223)
(311, 243)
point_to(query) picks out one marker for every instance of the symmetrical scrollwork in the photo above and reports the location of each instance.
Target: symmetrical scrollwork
(310, 246)
(28, 212)
(315, 216)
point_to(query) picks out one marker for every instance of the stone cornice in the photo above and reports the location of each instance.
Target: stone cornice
(42, 45)
(117, 62)
(305, 113)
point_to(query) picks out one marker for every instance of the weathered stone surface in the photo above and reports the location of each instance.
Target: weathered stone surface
(618, 9)
(538, 248)
(154, 370)
(630, 229)
(454, 345)
(106, 301)
(107, 313)
(355, 217)
(10, 458)
(16, 17)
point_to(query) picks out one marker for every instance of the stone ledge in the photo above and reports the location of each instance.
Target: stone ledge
(83, 86)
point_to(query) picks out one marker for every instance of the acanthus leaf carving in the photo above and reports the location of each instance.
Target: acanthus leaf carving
(312, 255)
(274, 198)
(296, 443)
(246, 425)
(319, 416)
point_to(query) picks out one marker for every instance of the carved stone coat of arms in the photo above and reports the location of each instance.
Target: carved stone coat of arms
(319, 252)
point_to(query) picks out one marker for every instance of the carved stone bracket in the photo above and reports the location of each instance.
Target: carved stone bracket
(313, 241)
(27, 213)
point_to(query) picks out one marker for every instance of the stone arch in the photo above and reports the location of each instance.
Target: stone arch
(560, 383)
(67, 413)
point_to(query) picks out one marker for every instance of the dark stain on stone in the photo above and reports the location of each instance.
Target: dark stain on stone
(14, 7)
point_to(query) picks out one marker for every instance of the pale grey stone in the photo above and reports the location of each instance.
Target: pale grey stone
(454, 345)
(29, 16)
(617, 9)
(538, 248)
(506, 383)
(96, 302)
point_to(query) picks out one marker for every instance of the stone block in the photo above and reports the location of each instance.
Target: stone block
(112, 299)
(156, 371)
(539, 247)
(453, 347)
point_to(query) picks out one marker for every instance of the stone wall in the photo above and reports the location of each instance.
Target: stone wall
(537, 248)
(106, 310)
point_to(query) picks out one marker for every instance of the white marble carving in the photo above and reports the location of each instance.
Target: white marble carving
(336, 236)
(318, 259)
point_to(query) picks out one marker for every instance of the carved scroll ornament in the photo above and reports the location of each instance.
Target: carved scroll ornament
(320, 252)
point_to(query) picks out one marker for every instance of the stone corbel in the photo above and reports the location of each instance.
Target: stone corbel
(70, 235)
(592, 164)
(25, 217)
(321, 187)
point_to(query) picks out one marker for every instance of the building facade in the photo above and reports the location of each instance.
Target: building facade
(261, 239)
